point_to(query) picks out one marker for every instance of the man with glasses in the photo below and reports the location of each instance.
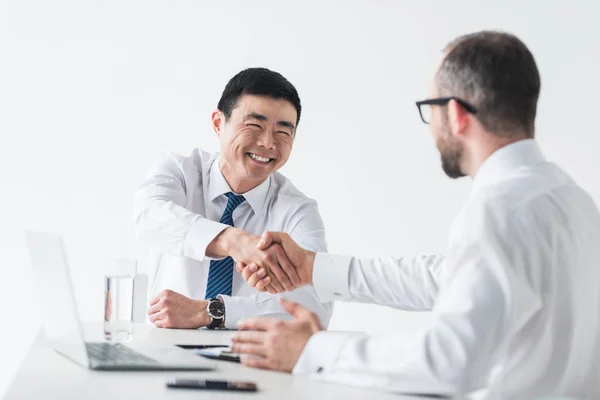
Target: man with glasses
(516, 301)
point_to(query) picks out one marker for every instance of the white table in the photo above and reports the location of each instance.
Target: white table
(45, 374)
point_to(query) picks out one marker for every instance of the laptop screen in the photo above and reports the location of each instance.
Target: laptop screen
(55, 295)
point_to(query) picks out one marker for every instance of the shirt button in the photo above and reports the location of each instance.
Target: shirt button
(319, 370)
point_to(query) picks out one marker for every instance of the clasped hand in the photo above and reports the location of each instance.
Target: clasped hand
(272, 263)
(272, 276)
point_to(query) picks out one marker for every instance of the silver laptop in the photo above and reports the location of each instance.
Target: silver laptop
(63, 328)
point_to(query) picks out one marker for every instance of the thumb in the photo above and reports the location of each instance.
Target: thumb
(265, 241)
(292, 308)
(268, 238)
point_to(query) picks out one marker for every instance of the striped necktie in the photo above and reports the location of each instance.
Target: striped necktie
(220, 273)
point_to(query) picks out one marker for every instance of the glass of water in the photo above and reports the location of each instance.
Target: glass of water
(118, 300)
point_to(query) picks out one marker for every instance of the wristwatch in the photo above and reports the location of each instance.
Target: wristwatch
(216, 311)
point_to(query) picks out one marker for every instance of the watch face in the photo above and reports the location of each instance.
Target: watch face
(216, 309)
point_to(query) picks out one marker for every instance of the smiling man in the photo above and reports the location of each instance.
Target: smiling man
(201, 212)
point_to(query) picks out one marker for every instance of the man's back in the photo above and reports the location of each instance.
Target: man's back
(553, 229)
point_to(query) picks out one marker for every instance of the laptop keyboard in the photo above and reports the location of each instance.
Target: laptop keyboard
(117, 354)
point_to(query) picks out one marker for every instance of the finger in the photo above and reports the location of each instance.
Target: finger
(294, 308)
(156, 316)
(257, 324)
(265, 241)
(249, 349)
(270, 288)
(155, 300)
(255, 362)
(239, 266)
(299, 312)
(162, 323)
(155, 308)
(253, 337)
(287, 266)
(276, 270)
(255, 277)
(268, 238)
(271, 264)
(276, 285)
(248, 272)
(263, 285)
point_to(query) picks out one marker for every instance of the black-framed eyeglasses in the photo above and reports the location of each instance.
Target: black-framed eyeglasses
(425, 112)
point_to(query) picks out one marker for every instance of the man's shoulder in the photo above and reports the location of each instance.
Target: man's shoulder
(529, 199)
(285, 192)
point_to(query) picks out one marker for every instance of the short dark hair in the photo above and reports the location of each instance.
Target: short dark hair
(259, 82)
(497, 74)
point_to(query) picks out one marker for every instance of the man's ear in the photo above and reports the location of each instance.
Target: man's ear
(458, 118)
(218, 120)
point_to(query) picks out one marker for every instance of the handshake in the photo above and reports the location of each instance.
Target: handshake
(276, 264)
(272, 263)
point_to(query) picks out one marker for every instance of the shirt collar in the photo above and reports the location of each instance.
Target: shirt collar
(218, 186)
(523, 153)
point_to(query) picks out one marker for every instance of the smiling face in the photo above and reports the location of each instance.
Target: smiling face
(256, 140)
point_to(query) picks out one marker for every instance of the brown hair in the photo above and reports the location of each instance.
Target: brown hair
(497, 74)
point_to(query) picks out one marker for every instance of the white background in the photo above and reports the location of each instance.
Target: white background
(91, 92)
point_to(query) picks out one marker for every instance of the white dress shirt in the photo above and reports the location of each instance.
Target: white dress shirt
(176, 213)
(516, 302)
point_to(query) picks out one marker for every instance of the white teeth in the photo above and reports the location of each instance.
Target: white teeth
(259, 158)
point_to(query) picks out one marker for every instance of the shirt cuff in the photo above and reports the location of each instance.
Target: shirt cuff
(330, 276)
(238, 308)
(320, 354)
(202, 232)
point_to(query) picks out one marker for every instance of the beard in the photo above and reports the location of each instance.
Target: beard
(451, 152)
